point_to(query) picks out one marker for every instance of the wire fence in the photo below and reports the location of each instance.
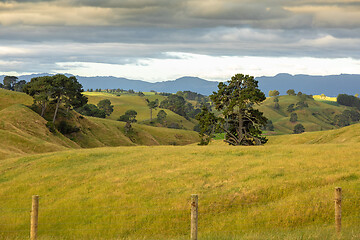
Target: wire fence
(226, 217)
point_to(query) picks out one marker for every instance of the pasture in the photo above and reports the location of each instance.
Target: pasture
(276, 191)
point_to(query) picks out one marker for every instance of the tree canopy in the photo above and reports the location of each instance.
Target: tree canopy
(106, 106)
(239, 120)
(56, 89)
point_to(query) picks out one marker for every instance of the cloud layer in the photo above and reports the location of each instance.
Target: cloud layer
(37, 35)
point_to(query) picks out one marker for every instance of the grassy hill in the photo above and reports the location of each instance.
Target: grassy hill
(23, 131)
(8, 98)
(349, 134)
(317, 116)
(266, 192)
(133, 101)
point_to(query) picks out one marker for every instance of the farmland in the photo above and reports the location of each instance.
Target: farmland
(100, 184)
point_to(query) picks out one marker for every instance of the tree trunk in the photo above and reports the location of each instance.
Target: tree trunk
(241, 126)
(43, 108)
(56, 109)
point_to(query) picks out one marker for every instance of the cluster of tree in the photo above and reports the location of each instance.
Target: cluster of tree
(276, 105)
(189, 95)
(346, 118)
(299, 128)
(239, 120)
(293, 117)
(129, 116)
(269, 126)
(55, 90)
(178, 105)
(299, 105)
(11, 83)
(103, 109)
(274, 93)
(161, 116)
(348, 100)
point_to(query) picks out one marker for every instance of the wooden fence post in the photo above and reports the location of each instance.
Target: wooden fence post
(34, 217)
(338, 209)
(194, 216)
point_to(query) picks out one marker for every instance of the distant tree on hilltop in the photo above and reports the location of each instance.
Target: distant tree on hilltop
(291, 92)
(274, 93)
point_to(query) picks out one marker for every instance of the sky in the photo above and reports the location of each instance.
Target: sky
(158, 40)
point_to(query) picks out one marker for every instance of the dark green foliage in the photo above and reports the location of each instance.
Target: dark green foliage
(290, 92)
(299, 94)
(207, 124)
(141, 94)
(348, 100)
(91, 110)
(50, 125)
(293, 117)
(9, 82)
(274, 93)
(55, 90)
(129, 116)
(346, 118)
(197, 128)
(189, 95)
(299, 128)
(12, 83)
(301, 105)
(194, 112)
(269, 126)
(177, 104)
(105, 105)
(65, 128)
(161, 116)
(291, 108)
(276, 99)
(241, 122)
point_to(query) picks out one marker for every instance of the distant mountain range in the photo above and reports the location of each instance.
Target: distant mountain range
(331, 85)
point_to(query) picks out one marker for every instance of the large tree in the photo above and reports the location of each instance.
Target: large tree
(240, 121)
(56, 89)
(9, 82)
(152, 105)
(40, 89)
(106, 106)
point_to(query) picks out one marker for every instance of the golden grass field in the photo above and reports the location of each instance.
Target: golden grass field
(276, 191)
(282, 190)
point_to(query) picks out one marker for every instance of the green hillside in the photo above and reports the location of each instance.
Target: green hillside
(317, 116)
(23, 131)
(349, 134)
(265, 192)
(133, 101)
(8, 98)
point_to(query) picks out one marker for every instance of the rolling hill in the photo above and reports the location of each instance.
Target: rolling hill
(23, 131)
(133, 101)
(318, 116)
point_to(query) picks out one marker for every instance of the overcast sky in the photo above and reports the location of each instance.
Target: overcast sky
(157, 40)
